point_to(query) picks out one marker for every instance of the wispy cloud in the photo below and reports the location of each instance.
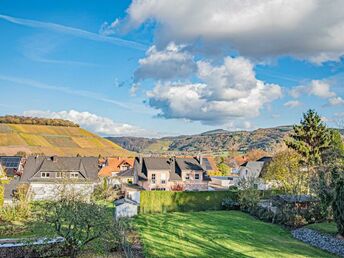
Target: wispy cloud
(95, 123)
(73, 31)
(81, 93)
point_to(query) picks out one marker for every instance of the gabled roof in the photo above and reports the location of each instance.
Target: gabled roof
(126, 173)
(86, 166)
(174, 166)
(265, 159)
(113, 165)
(125, 200)
(157, 163)
(189, 164)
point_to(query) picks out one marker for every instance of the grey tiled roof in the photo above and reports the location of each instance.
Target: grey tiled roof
(188, 164)
(127, 173)
(157, 163)
(173, 165)
(86, 166)
(125, 200)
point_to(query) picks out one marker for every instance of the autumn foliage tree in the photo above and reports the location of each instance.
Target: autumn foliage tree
(286, 169)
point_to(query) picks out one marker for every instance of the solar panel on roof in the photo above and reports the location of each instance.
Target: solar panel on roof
(10, 162)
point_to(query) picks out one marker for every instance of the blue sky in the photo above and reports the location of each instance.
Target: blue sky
(148, 68)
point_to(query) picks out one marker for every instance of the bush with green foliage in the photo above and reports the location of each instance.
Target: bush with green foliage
(338, 206)
(166, 201)
(249, 195)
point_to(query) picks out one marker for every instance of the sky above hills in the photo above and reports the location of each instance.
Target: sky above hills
(169, 67)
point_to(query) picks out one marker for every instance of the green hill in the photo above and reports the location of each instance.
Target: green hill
(54, 140)
(215, 142)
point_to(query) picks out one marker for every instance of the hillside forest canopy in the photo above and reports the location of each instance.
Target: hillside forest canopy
(8, 119)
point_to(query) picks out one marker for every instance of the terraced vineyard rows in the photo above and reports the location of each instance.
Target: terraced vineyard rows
(55, 140)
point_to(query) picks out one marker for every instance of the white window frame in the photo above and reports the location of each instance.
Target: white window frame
(72, 175)
(197, 175)
(45, 175)
(187, 176)
(153, 179)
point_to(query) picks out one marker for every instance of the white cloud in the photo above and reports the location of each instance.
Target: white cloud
(311, 29)
(317, 88)
(169, 63)
(336, 101)
(92, 122)
(226, 91)
(109, 29)
(239, 126)
(321, 89)
(292, 104)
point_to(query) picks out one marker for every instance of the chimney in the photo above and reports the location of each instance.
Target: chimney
(200, 159)
(54, 158)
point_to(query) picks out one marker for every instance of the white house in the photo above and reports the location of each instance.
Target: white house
(48, 176)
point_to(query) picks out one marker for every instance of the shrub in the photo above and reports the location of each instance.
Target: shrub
(338, 206)
(249, 195)
(166, 201)
(230, 204)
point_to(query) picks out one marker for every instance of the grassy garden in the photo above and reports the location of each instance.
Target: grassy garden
(324, 227)
(217, 234)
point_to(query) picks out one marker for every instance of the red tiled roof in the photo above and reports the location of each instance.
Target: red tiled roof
(113, 165)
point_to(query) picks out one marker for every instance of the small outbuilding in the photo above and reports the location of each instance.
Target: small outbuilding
(126, 208)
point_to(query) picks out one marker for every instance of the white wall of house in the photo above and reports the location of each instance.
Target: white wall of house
(225, 181)
(51, 191)
(126, 210)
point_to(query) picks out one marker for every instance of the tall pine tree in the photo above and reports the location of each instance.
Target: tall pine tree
(311, 138)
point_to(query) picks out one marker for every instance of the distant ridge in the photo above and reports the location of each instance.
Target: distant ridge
(214, 142)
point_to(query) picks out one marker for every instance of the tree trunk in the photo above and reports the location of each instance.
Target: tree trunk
(73, 252)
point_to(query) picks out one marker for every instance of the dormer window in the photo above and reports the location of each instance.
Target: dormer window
(74, 175)
(45, 174)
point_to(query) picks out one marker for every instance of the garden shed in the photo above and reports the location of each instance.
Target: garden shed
(126, 208)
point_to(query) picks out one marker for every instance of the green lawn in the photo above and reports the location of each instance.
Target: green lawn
(325, 227)
(217, 234)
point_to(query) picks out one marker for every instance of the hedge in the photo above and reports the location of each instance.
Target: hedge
(2, 191)
(165, 201)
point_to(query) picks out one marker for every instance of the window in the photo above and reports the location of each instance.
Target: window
(187, 176)
(59, 174)
(196, 176)
(153, 178)
(130, 181)
(124, 167)
(45, 174)
(74, 175)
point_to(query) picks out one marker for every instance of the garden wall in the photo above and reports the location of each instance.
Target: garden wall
(165, 201)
